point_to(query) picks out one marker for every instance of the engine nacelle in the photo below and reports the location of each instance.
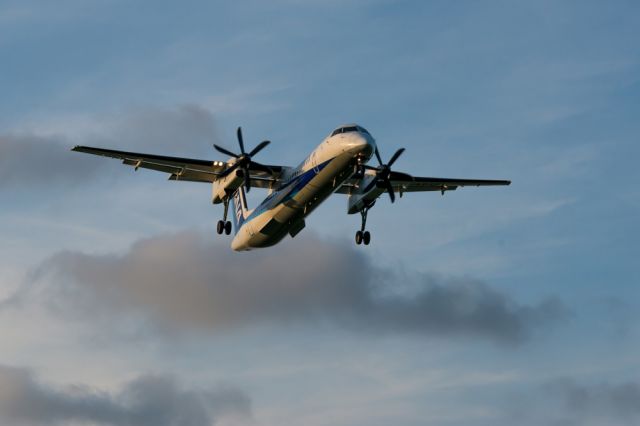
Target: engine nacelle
(359, 200)
(226, 186)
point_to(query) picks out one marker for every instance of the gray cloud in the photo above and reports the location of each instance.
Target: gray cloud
(183, 130)
(190, 282)
(147, 400)
(610, 403)
(567, 402)
(33, 161)
(36, 161)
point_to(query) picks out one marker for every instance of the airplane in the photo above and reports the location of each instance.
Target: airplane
(338, 165)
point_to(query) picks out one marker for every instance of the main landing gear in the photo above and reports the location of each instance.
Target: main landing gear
(363, 236)
(224, 225)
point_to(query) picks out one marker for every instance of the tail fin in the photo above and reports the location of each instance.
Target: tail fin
(240, 210)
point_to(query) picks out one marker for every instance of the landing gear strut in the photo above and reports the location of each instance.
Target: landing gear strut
(363, 236)
(224, 225)
(359, 168)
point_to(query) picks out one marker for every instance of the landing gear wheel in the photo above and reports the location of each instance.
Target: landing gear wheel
(363, 236)
(366, 238)
(224, 226)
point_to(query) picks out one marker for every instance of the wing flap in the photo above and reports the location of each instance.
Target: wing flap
(184, 169)
(403, 182)
(151, 158)
(406, 183)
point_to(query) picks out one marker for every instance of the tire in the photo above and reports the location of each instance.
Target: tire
(227, 228)
(366, 238)
(220, 227)
(359, 237)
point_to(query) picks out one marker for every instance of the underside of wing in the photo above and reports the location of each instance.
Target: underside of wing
(403, 182)
(185, 169)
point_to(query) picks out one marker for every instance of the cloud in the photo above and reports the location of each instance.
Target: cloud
(34, 161)
(565, 401)
(619, 403)
(179, 130)
(40, 157)
(147, 400)
(187, 281)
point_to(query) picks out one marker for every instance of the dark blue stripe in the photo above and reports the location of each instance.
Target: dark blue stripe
(289, 191)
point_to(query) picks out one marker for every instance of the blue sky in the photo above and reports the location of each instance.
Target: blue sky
(486, 306)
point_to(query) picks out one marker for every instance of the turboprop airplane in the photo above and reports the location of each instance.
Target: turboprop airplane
(338, 165)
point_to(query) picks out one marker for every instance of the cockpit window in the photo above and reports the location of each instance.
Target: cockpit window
(348, 129)
(363, 130)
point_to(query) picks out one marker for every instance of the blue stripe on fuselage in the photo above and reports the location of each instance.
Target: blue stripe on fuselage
(287, 191)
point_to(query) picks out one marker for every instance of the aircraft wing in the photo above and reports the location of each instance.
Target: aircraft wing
(187, 169)
(403, 182)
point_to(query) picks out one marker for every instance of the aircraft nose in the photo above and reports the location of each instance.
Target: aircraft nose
(362, 144)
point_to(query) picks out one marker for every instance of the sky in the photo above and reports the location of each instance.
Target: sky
(120, 305)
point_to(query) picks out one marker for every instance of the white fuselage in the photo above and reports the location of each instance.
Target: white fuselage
(302, 190)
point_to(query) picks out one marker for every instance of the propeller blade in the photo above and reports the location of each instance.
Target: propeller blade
(260, 167)
(400, 176)
(247, 179)
(259, 148)
(384, 173)
(240, 140)
(392, 194)
(229, 170)
(378, 156)
(243, 160)
(370, 186)
(395, 157)
(225, 151)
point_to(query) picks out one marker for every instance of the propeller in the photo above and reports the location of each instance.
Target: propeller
(243, 160)
(383, 174)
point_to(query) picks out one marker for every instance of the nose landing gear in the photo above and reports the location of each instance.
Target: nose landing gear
(363, 236)
(358, 169)
(224, 226)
